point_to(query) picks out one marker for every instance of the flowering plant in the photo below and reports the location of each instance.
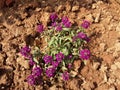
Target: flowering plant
(64, 44)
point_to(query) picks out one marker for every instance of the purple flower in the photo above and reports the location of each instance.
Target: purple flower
(85, 54)
(48, 59)
(31, 62)
(31, 80)
(68, 24)
(37, 71)
(55, 64)
(87, 39)
(85, 24)
(74, 38)
(69, 65)
(59, 57)
(65, 76)
(54, 24)
(25, 51)
(83, 36)
(53, 17)
(59, 27)
(65, 20)
(40, 28)
(50, 72)
(70, 56)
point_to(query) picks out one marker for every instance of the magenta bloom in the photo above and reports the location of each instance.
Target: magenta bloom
(48, 59)
(85, 54)
(36, 72)
(59, 57)
(50, 72)
(66, 22)
(31, 80)
(55, 64)
(59, 27)
(65, 76)
(69, 65)
(40, 28)
(70, 56)
(31, 62)
(81, 35)
(25, 51)
(53, 17)
(74, 38)
(85, 24)
(54, 24)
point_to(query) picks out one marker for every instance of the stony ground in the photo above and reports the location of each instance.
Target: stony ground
(17, 28)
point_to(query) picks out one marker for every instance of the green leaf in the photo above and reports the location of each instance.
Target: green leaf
(65, 51)
(35, 60)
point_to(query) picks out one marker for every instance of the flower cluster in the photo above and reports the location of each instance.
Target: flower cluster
(35, 76)
(63, 47)
(58, 26)
(85, 54)
(25, 51)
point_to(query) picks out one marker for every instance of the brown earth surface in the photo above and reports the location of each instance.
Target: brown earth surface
(18, 28)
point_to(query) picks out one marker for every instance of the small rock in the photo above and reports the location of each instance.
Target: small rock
(102, 47)
(53, 88)
(113, 67)
(118, 28)
(117, 64)
(97, 19)
(103, 68)
(3, 79)
(104, 86)
(74, 84)
(68, 7)
(73, 73)
(89, 18)
(75, 8)
(108, 58)
(112, 87)
(96, 65)
(77, 64)
(60, 8)
(37, 9)
(117, 47)
(44, 18)
(24, 63)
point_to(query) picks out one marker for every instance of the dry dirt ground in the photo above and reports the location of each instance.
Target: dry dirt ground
(17, 28)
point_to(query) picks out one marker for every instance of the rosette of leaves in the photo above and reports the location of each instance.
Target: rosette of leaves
(62, 41)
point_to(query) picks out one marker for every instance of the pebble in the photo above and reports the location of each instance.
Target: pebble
(113, 67)
(75, 8)
(102, 47)
(77, 64)
(24, 63)
(118, 28)
(97, 19)
(60, 8)
(117, 64)
(96, 65)
(53, 87)
(90, 18)
(112, 88)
